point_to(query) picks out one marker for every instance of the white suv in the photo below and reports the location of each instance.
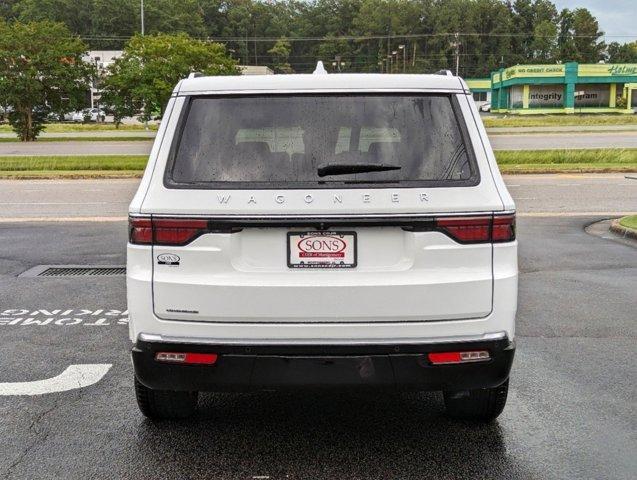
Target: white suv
(322, 231)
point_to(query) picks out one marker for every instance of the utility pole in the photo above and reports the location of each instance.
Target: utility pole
(456, 44)
(144, 101)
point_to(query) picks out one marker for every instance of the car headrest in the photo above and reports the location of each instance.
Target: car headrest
(383, 148)
(260, 148)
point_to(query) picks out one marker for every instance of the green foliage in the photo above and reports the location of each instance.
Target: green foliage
(575, 121)
(144, 77)
(493, 33)
(105, 21)
(72, 162)
(41, 71)
(601, 155)
(538, 161)
(626, 53)
(629, 222)
(556, 161)
(280, 54)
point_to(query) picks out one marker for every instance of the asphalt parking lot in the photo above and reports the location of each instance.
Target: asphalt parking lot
(571, 410)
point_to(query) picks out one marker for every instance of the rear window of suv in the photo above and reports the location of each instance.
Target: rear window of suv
(314, 141)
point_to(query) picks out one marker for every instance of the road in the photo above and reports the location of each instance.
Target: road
(500, 141)
(150, 133)
(569, 194)
(571, 411)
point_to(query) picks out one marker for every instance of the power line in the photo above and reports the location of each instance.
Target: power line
(364, 37)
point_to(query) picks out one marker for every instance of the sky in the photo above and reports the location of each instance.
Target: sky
(615, 17)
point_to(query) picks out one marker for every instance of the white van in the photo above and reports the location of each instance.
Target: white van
(314, 231)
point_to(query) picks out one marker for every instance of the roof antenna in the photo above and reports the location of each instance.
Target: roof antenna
(320, 69)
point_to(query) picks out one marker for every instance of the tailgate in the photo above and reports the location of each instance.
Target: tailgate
(399, 275)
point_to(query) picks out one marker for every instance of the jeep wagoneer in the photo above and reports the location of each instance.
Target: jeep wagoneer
(316, 231)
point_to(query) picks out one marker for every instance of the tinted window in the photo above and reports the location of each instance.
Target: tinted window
(287, 141)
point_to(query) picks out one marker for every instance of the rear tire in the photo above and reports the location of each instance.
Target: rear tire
(165, 404)
(483, 404)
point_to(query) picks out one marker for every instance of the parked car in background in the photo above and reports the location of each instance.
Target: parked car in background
(485, 107)
(88, 115)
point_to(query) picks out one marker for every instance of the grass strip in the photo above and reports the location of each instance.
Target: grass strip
(119, 138)
(568, 168)
(629, 222)
(72, 163)
(608, 156)
(68, 174)
(568, 161)
(510, 161)
(551, 120)
(86, 127)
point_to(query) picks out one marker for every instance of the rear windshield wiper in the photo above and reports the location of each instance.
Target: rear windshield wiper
(347, 168)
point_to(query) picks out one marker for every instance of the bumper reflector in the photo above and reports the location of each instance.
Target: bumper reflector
(446, 358)
(187, 358)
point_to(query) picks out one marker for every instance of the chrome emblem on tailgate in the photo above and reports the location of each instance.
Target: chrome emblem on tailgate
(168, 259)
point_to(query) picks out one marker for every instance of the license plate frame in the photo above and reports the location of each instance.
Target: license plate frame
(326, 259)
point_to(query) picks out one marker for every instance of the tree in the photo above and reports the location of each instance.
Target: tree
(544, 41)
(144, 77)
(618, 53)
(586, 37)
(280, 54)
(41, 70)
(491, 33)
(565, 42)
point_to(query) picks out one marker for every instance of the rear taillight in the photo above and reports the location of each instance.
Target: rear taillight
(165, 231)
(479, 229)
(177, 231)
(466, 229)
(187, 358)
(180, 231)
(449, 358)
(503, 228)
(140, 231)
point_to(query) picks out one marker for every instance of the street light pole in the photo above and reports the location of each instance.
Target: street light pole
(404, 50)
(142, 15)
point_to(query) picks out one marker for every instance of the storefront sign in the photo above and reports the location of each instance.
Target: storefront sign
(540, 96)
(608, 70)
(592, 95)
(534, 71)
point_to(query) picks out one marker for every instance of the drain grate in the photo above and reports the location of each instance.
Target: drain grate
(75, 271)
(83, 271)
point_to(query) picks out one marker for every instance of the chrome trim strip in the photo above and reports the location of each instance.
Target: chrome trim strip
(326, 215)
(157, 338)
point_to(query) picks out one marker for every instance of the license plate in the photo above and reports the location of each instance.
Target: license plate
(321, 249)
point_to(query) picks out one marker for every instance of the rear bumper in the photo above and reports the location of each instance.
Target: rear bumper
(275, 367)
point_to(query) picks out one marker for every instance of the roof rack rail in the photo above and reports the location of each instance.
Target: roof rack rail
(195, 75)
(446, 73)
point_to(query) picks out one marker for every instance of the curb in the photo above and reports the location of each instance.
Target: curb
(618, 229)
